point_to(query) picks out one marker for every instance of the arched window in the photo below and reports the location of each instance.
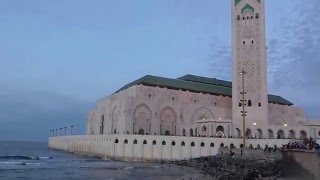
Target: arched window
(231, 145)
(183, 132)
(173, 143)
(126, 141)
(212, 145)
(145, 142)
(135, 142)
(192, 143)
(258, 146)
(257, 15)
(116, 141)
(266, 146)
(241, 146)
(154, 142)
(221, 145)
(202, 144)
(163, 143)
(249, 103)
(250, 146)
(182, 143)
(238, 17)
(259, 104)
(243, 18)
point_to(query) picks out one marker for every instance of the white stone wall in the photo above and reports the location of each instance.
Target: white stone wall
(142, 148)
(156, 110)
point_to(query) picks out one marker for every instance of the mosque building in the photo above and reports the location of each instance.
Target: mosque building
(158, 118)
(200, 106)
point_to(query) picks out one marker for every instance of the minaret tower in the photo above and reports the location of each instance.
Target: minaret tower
(249, 54)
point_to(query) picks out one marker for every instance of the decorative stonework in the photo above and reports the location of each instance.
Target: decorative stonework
(168, 120)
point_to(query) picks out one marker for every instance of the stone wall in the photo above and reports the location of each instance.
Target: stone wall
(151, 148)
(303, 163)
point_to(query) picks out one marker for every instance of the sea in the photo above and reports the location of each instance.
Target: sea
(34, 160)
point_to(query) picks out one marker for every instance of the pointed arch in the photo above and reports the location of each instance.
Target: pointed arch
(142, 119)
(200, 114)
(168, 119)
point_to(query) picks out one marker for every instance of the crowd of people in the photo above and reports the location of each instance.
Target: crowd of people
(307, 144)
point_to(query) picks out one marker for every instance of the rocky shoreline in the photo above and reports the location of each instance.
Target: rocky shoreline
(259, 164)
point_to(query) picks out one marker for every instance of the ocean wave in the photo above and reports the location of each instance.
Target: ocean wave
(19, 163)
(23, 157)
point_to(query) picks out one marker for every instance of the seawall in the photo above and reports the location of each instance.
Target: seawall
(151, 148)
(302, 163)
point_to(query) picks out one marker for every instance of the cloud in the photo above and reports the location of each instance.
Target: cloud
(297, 58)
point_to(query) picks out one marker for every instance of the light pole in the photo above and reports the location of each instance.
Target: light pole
(71, 129)
(243, 112)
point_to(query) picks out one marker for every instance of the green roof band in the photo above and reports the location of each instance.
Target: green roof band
(237, 2)
(246, 8)
(197, 84)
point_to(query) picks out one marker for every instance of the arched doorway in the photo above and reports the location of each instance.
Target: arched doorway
(280, 134)
(238, 133)
(204, 131)
(270, 134)
(220, 131)
(248, 134)
(167, 133)
(303, 134)
(191, 132)
(260, 134)
(141, 132)
(292, 134)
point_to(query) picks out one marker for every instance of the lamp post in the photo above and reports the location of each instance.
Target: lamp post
(243, 112)
(71, 129)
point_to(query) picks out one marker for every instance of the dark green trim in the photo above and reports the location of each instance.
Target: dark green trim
(247, 7)
(197, 84)
(236, 2)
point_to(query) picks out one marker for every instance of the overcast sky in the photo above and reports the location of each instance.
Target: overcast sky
(57, 58)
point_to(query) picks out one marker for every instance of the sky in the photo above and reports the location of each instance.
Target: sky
(57, 58)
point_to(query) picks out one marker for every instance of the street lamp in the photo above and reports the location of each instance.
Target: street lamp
(243, 112)
(71, 129)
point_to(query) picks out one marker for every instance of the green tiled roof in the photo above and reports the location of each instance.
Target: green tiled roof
(196, 84)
